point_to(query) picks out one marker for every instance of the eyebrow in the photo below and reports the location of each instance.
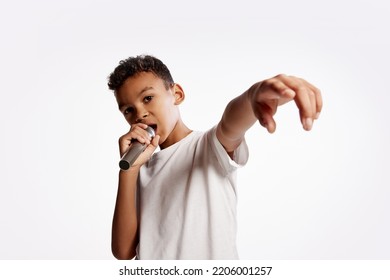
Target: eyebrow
(145, 89)
(121, 105)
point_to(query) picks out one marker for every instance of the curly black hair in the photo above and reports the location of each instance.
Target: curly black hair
(134, 65)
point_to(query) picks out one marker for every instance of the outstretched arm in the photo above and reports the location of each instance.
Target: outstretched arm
(260, 103)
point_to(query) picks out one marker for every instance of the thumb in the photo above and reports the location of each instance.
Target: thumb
(265, 117)
(147, 154)
(153, 145)
(268, 122)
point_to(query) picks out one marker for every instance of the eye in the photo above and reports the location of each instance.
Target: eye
(148, 98)
(128, 110)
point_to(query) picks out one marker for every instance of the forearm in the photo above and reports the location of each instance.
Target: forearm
(125, 223)
(237, 118)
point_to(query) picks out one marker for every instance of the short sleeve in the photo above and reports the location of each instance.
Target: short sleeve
(240, 156)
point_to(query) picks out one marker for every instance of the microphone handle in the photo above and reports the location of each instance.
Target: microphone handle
(131, 155)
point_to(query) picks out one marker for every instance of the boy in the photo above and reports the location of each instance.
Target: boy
(180, 203)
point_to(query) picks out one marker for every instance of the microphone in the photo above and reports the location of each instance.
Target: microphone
(134, 151)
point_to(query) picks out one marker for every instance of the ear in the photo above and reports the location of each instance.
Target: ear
(178, 94)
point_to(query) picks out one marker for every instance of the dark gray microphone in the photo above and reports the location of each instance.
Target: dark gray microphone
(134, 151)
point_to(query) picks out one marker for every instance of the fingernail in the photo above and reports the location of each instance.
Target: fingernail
(307, 123)
(317, 115)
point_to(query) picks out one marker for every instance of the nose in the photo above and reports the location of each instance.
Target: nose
(141, 117)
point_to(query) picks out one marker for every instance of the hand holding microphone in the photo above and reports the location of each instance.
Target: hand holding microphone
(135, 150)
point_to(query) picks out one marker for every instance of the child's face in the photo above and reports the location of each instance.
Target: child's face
(144, 98)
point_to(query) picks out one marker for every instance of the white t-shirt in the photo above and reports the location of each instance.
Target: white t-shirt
(187, 200)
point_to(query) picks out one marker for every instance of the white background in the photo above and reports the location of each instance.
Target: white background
(322, 194)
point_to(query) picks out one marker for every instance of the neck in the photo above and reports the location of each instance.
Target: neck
(179, 132)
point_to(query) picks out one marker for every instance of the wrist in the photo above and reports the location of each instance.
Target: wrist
(133, 170)
(251, 92)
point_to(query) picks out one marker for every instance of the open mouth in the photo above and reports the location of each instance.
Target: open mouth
(154, 126)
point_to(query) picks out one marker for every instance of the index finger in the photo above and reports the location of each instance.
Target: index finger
(318, 97)
(307, 98)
